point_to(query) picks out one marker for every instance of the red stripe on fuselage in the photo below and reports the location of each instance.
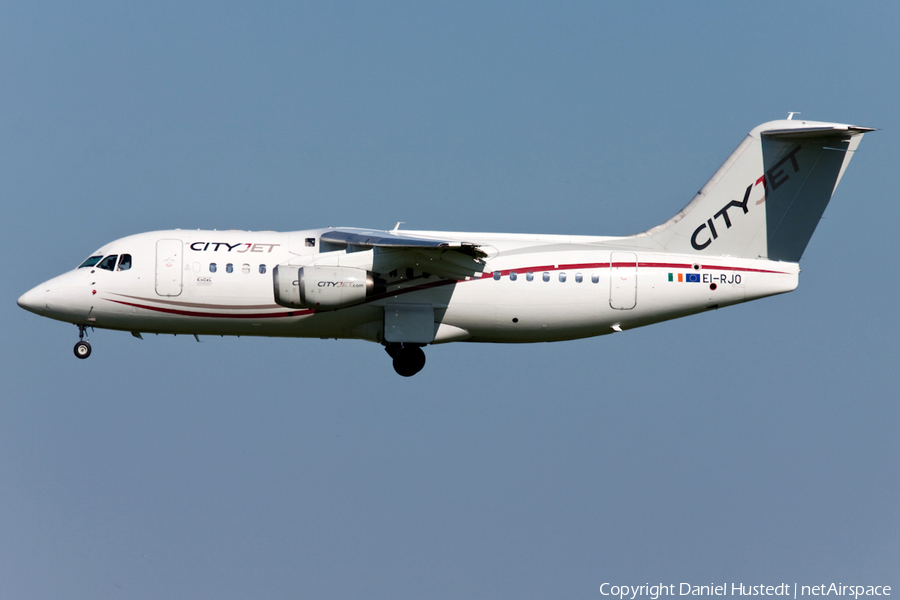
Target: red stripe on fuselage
(606, 265)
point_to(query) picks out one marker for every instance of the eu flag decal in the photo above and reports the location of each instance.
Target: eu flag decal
(692, 277)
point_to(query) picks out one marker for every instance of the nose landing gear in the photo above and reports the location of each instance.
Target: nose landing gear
(408, 358)
(82, 348)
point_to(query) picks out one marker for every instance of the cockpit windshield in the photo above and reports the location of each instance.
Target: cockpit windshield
(91, 261)
(108, 263)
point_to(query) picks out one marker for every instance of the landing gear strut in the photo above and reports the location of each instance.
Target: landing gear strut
(82, 348)
(408, 358)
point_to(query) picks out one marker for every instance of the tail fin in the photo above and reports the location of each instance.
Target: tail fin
(768, 197)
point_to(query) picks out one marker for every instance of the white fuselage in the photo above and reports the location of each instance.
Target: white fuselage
(533, 288)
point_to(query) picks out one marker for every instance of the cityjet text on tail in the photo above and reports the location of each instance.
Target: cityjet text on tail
(740, 238)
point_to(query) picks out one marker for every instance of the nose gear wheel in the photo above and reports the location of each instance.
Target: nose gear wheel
(82, 348)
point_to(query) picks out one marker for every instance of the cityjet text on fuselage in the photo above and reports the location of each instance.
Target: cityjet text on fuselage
(226, 247)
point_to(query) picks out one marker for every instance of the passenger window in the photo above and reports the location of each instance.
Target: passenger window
(212, 267)
(562, 277)
(546, 276)
(513, 275)
(262, 269)
(245, 268)
(108, 263)
(496, 275)
(577, 277)
(124, 262)
(91, 261)
(310, 242)
(229, 268)
(529, 276)
(595, 278)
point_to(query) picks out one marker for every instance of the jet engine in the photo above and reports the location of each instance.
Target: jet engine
(324, 288)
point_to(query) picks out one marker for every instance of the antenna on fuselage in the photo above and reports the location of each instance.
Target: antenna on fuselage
(791, 115)
(397, 226)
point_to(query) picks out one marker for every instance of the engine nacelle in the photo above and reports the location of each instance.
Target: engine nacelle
(323, 288)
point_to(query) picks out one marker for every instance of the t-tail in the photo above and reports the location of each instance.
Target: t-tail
(768, 197)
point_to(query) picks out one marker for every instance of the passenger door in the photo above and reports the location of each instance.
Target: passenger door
(623, 280)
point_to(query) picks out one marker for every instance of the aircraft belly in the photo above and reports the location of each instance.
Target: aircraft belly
(325, 324)
(521, 311)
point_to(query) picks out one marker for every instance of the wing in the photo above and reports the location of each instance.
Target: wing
(446, 258)
(370, 238)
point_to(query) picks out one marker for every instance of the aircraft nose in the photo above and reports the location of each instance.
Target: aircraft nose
(35, 299)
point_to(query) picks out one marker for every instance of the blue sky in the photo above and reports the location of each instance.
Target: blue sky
(757, 443)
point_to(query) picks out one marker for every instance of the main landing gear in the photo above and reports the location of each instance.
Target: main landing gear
(408, 358)
(82, 348)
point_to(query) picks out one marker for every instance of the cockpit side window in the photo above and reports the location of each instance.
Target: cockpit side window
(91, 261)
(124, 263)
(108, 263)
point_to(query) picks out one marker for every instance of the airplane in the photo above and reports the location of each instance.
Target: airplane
(740, 238)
